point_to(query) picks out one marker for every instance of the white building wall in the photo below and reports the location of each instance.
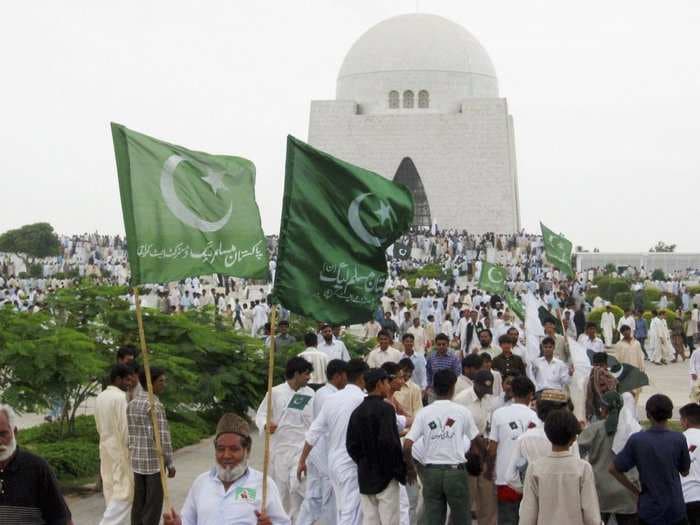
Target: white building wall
(466, 160)
(667, 262)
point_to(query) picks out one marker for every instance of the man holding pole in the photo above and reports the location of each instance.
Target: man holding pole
(292, 413)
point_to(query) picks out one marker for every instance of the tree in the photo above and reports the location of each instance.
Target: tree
(30, 241)
(662, 247)
(43, 364)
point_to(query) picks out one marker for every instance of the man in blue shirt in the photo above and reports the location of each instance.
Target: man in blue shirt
(659, 455)
(640, 331)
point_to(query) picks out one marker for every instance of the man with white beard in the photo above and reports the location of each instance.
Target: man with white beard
(28, 489)
(231, 491)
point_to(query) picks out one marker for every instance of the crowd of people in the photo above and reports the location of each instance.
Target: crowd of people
(462, 411)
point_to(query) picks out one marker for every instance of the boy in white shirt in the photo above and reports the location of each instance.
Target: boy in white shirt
(507, 424)
(443, 425)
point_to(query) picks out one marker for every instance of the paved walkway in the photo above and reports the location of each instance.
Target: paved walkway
(671, 380)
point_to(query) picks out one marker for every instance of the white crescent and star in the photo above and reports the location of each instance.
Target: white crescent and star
(490, 276)
(176, 206)
(384, 213)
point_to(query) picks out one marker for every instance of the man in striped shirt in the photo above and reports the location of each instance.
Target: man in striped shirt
(441, 359)
(148, 491)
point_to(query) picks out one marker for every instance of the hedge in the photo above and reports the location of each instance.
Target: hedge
(670, 316)
(595, 314)
(78, 456)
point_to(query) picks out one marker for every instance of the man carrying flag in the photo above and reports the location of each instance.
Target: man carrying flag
(337, 222)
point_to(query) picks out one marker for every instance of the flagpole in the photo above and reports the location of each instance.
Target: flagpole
(268, 418)
(151, 404)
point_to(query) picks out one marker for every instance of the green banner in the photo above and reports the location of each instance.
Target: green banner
(187, 213)
(337, 222)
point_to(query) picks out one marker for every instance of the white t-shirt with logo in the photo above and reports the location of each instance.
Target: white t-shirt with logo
(443, 425)
(508, 423)
(691, 482)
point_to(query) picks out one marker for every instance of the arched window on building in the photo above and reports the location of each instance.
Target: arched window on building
(408, 99)
(423, 99)
(393, 99)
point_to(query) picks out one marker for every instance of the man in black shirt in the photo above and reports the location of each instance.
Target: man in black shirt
(373, 443)
(28, 490)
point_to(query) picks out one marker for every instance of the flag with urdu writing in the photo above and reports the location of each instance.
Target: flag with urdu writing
(557, 248)
(492, 278)
(515, 305)
(186, 212)
(337, 222)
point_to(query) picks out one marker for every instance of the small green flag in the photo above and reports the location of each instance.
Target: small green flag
(628, 377)
(558, 249)
(492, 278)
(337, 222)
(517, 307)
(185, 212)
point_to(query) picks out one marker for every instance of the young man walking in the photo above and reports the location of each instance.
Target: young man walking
(443, 425)
(374, 445)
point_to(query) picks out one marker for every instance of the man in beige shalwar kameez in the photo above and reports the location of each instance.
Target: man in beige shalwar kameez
(628, 350)
(115, 465)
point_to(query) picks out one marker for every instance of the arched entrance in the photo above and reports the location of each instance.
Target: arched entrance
(408, 175)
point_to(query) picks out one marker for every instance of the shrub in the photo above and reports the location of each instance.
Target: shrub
(79, 456)
(623, 300)
(658, 275)
(693, 290)
(431, 271)
(595, 314)
(70, 458)
(609, 287)
(651, 297)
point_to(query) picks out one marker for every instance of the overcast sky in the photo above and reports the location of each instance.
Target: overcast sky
(605, 97)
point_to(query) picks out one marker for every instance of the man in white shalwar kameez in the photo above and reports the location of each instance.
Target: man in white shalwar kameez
(319, 500)
(292, 413)
(659, 339)
(607, 325)
(115, 464)
(332, 422)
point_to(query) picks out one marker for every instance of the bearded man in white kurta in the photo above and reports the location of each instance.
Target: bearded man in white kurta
(115, 465)
(292, 413)
(607, 325)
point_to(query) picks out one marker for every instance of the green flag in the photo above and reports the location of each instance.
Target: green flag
(337, 222)
(629, 377)
(492, 278)
(185, 212)
(517, 307)
(557, 248)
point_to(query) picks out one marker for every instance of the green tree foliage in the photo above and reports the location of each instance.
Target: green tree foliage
(608, 287)
(45, 364)
(32, 240)
(658, 275)
(595, 314)
(662, 247)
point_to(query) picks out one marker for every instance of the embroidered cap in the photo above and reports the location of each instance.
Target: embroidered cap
(231, 423)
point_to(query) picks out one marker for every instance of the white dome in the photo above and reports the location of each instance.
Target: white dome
(416, 52)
